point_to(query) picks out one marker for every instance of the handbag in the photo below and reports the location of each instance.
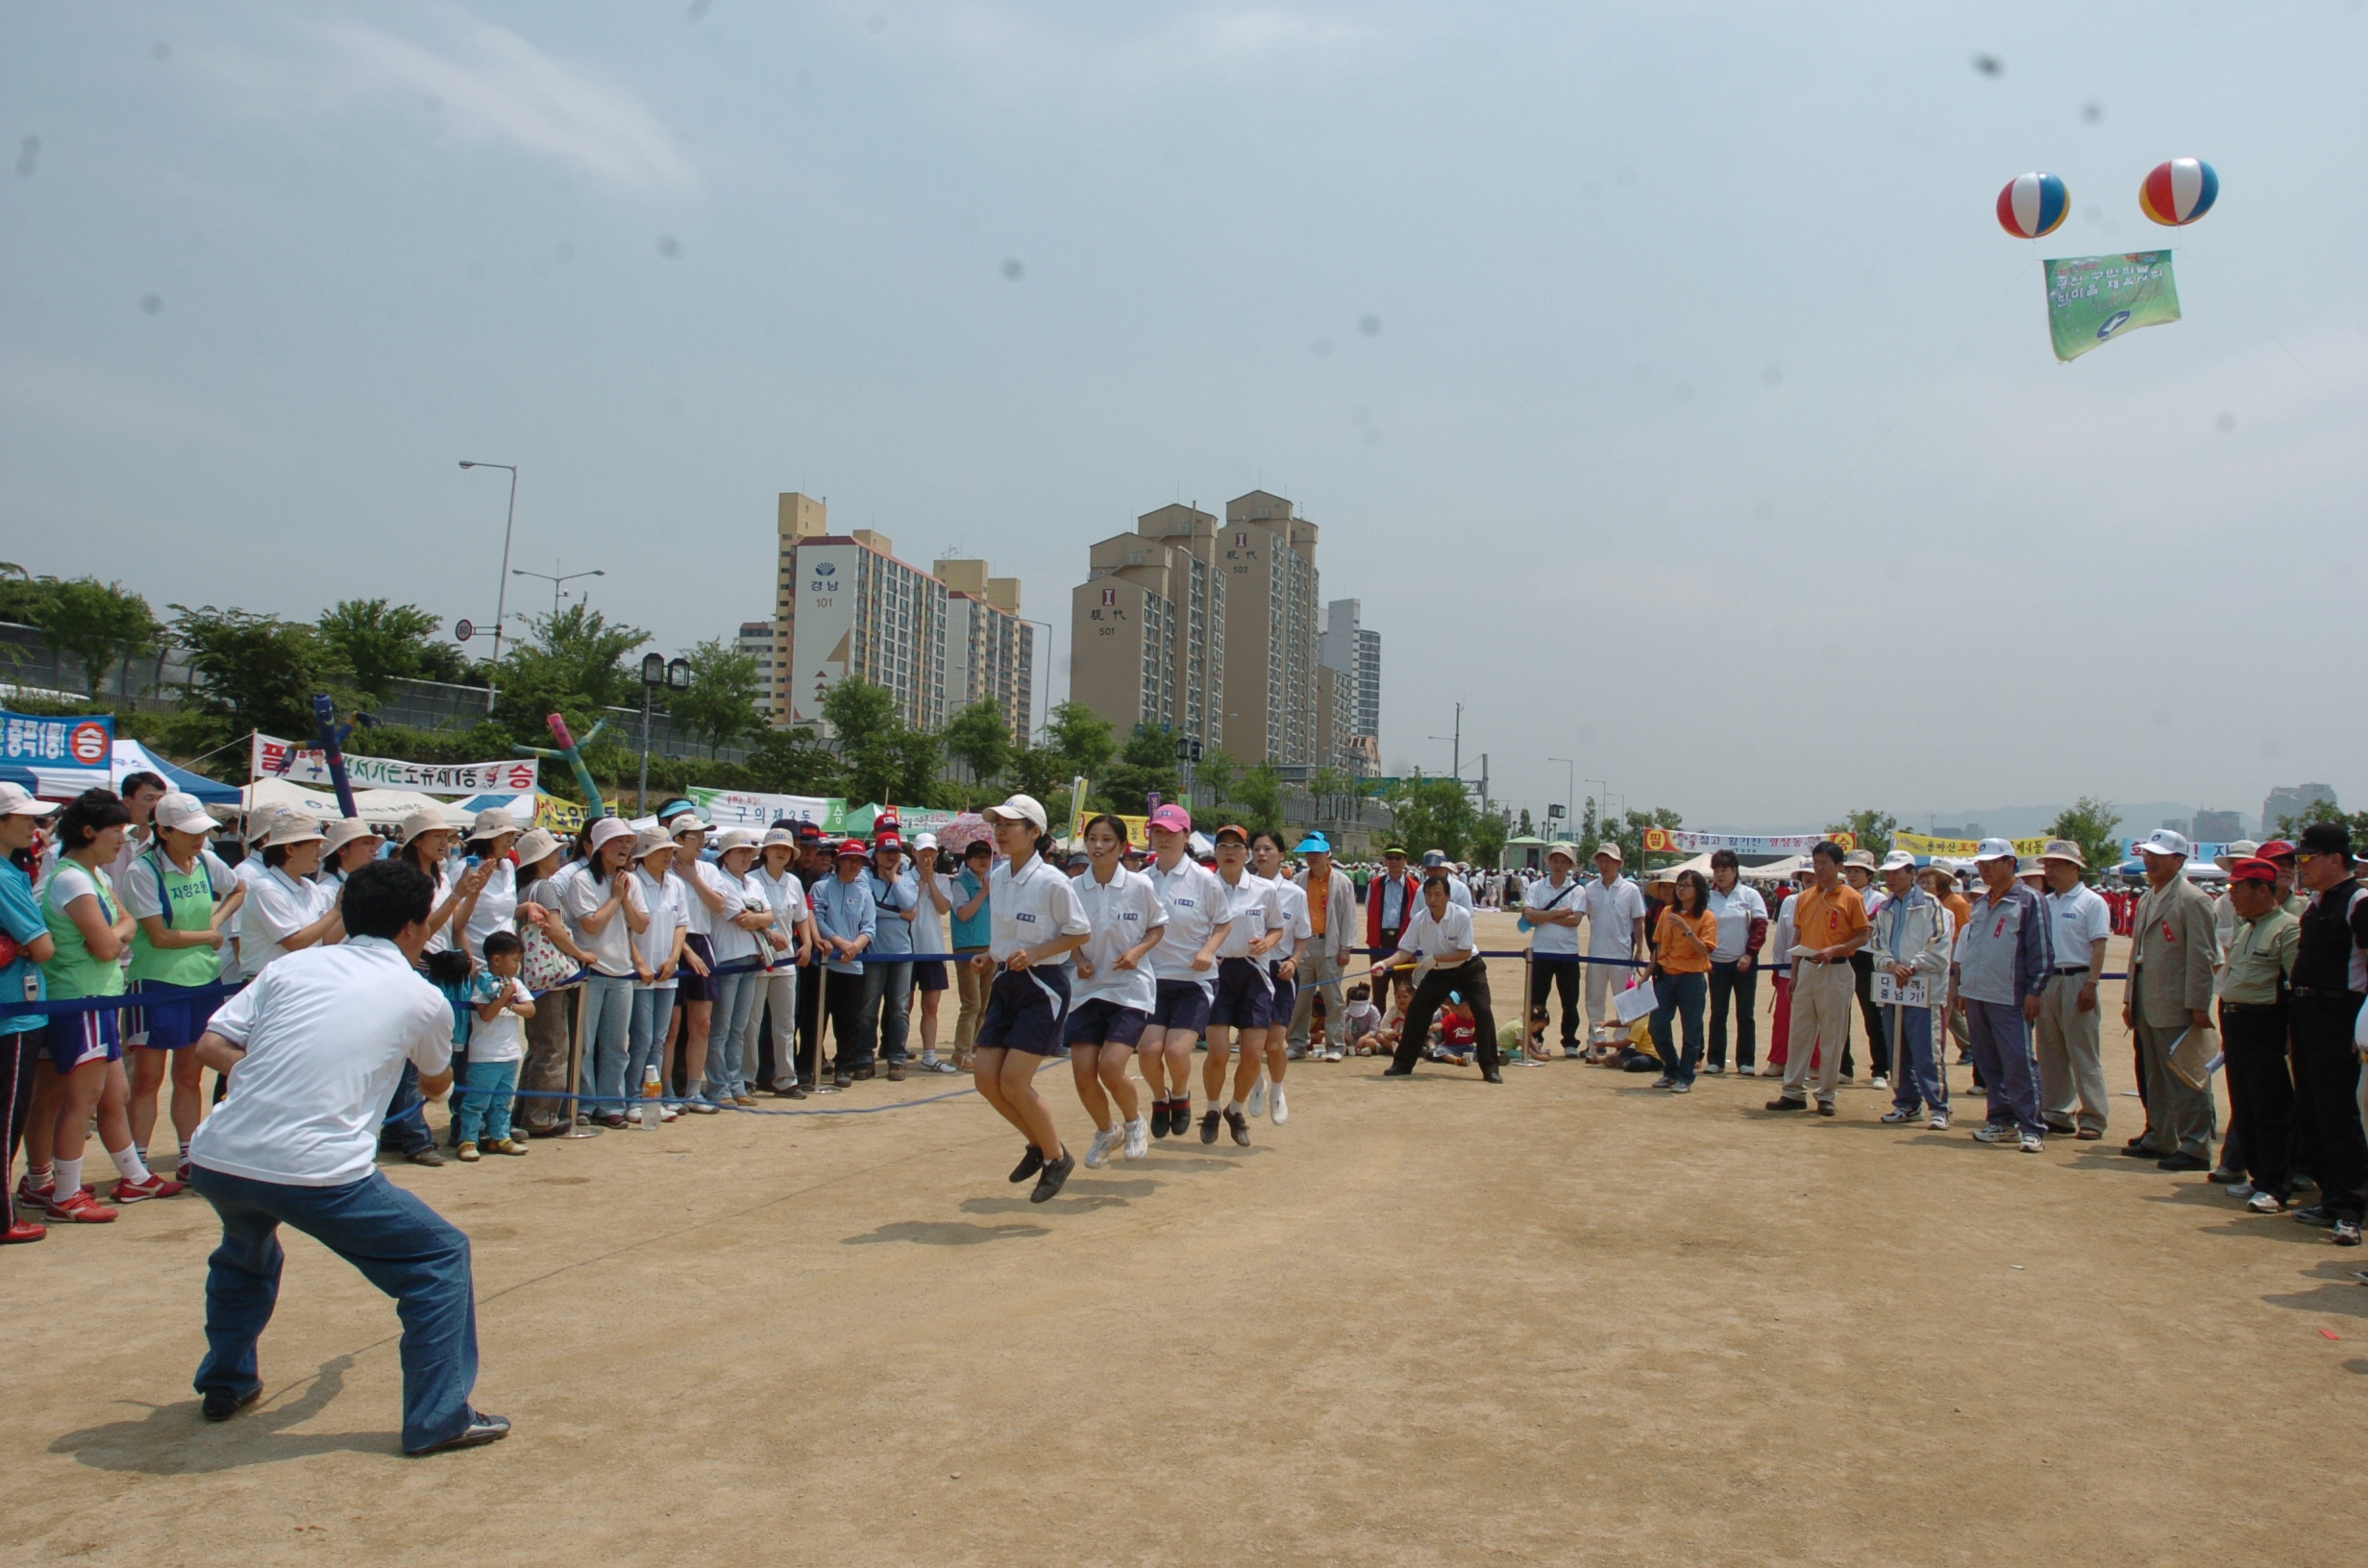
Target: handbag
(542, 965)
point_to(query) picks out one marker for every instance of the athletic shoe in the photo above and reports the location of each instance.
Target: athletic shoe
(1785, 1102)
(1331, 1056)
(1159, 1118)
(2315, 1215)
(1714, 1072)
(1746, 1073)
(506, 1145)
(933, 1065)
(30, 1195)
(781, 1091)
(2346, 1233)
(2241, 1191)
(1234, 1119)
(1029, 1165)
(1099, 1154)
(1939, 1122)
(2182, 1162)
(2031, 1144)
(1681, 1089)
(1048, 1183)
(482, 1429)
(184, 1173)
(78, 1209)
(1879, 1081)
(1897, 1115)
(2222, 1176)
(155, 1186)
(1992, 1134)
(698, 1105)
(1138, 1140)
(2091, 1135)
(1663, 1081)
(2266, 1203)
(466, 1153)
(21, 1230)
(220, 1404)
(1280, 1108)
(1825, 1108)
(667, 1113)
(1208, 1125)
(1257, 1103)
(749, 1101)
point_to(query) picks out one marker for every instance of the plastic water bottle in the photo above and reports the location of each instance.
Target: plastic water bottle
(649, 1115)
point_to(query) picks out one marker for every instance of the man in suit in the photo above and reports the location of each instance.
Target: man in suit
(2174, 951)
(1332, 915)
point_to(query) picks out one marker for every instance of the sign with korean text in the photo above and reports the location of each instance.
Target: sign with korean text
(1676, 841)
(2092, 300)
(81, 740)
(1920, 843)
(275, 758)
(747, 808)
(1892, 992)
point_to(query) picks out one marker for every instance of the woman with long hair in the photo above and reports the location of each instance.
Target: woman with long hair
(1683, 941)
(1113, 994)
(27, 947)
(181, 895)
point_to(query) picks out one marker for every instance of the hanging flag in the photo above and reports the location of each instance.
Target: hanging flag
(2091, 300)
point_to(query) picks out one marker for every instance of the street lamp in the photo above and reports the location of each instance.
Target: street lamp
(657, 670)
(1571, 793)
(557, 582)
(501, 587)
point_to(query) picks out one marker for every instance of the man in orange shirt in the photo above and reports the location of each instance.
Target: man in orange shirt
(1829, 925)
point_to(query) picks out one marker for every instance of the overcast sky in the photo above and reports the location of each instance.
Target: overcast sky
(1659, 375)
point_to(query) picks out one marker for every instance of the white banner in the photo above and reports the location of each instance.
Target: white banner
(276, 758)
(1890, 993)
(745, 808)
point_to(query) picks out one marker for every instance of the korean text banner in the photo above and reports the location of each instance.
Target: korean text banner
(276, 758)
(1676, 841)
(2091, 300)
(746, 808)
(83, 741)
(1919, 844)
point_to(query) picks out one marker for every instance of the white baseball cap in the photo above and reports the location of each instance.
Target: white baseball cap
(1898, 860)
(1020, 808)
(925, 841)
(2163, 842)
(15, 800)
(183, 813)
(1993, 849)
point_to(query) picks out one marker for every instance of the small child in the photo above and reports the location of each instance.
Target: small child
(498, 1000)
(1459, 1034)
(1401, 997)
(1362, 1019)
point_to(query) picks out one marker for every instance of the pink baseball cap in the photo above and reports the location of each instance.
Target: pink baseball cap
(1173, 817)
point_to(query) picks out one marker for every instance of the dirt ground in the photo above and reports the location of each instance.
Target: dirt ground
(1427, 1321)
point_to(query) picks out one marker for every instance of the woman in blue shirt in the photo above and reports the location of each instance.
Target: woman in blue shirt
(973, 930)
(24, 945)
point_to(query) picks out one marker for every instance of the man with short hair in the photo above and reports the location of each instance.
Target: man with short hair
(1743, 931)
(2071, 1050)
(1615, 909)
(1553, 906)
(1910, 942)
(2003, 962)
(2255, 988)
(1332, 917)
(1392, 900)
(1435, 863)
(2330, 975)
(888, 988)
(1858, 868)
(2174, 951)
(846, 924)
(1829, 924)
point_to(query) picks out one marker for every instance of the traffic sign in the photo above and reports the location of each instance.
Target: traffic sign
(462, 631)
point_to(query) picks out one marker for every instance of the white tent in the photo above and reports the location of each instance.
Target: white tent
(1778, 870)
(379, 808)
(1700, 862)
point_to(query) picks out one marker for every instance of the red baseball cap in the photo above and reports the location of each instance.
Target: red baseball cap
(886, 841)
(2275, 849)
(854, 847)
(2253, 868)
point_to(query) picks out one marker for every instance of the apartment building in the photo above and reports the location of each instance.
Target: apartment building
(1147, 627)
(755, 640)
(990, 651)
(1268, 555)
(1353, 654)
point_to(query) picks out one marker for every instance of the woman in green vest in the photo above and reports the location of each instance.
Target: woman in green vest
(182, 895)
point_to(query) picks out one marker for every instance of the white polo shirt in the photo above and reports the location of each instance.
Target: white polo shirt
(1735, 911)
(1031, 908)
(1290, 899)
(327, 1031)
(656, 942)
(610, 948)
(2080, 917)
(787, 896)
(1566, 896)
(1432, 939)
(1198, 902)
(278, 906)
(1612, 915)
(1121, 911)
(1254, 910)
(732, 944)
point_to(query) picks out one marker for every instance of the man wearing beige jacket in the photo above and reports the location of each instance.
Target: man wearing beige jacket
(2174, 949)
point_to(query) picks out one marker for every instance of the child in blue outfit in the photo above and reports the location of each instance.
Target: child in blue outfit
(498, 1004)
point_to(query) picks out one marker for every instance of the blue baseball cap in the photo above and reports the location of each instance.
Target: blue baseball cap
(1315, 843)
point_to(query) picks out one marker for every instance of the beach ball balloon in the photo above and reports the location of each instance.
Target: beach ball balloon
(2178, 193)
(2033, 205)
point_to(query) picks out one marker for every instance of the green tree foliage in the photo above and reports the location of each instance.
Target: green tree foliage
(792, 762)
(1218, 774)
(1489, 832)
(1432, 813)
(381, 642)
(977, 738)
(257, 672)
(720, 704)
(98, 624)
(1526, 830)
(2326, 811)
(571, 664)
(1145, 764)
(1260, 793)
(881, 760)
(1628, 831)
(1869, 830)
(2090, 822)
(1083, 738)
(1043, 771)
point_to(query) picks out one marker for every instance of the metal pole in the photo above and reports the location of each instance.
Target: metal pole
(641, 806)
(500, 596)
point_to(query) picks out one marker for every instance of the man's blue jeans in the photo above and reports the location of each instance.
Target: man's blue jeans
(888, 997)
(728, 1031)
(399, 1243)
(1919, 1077)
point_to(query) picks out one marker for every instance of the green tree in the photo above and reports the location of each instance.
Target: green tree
(1043, 771)
(977, 738)
(381, 642)
(2326, 811)
(1869, 830)
(1084, 739)
(571, 663)
(718, 705)
(1260, 793)
(1591, 834)
(1432, 813)
(1218, 774)
(792, 762)
(100, 625)
(2090, 822)
(1628, 831)
(881, 759)
(1489, 832)
(257, 672)
(1146, 763)
(1527, 829)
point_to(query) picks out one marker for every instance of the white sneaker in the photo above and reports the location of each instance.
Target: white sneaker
(1099, 1155)
(667, 1113)
(1282, 1109)
(1880, 1082)
(1257, 1103)
(1137, 1139)
(2031, 1144)
(1746, 1073)
(1939, 1122)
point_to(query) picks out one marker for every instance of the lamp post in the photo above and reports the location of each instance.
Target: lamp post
(557, 582)
(501, 587)
(1571, 793)
(657, 670)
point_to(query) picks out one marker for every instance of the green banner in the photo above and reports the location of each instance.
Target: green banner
(2091, 300)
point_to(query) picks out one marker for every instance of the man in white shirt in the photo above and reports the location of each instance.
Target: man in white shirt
(1445, 956)
(1615, 937)
(311, 1051)
(2070, 1044)
(1553, 906)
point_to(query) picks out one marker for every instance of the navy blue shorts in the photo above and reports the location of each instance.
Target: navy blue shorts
(690, 985)
(1025, 1011)
(1285, 997)
(928, 974)
(1245, 995)
(1182, 1005)
(1102, 1021)
(169, 1025)
(73, 1038)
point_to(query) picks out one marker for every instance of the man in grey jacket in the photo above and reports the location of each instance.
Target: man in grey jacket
(1332, 915)
(1912, 943)
(2174, 949)
(2004, 960)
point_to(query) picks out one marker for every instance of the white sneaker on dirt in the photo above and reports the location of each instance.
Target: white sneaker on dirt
(1939, 1122)
(1137, 1139)
(1104, 1140)
(1880, 1082)
(1257, 1103)
(2031, 1143)
(1282, 1108)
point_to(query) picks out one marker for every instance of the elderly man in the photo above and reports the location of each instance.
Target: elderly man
(1910, 944)
(1829, 925)
(2071, 1050)
(846, 924)
(2004, 961)
(1435, 863)
(2255, 986)
(1392, 902)
(1615, 909)
(1858, 868)
(1553, 907)
(2173, 952)
(2331, 959)
(1742, 930)
(1332, 919)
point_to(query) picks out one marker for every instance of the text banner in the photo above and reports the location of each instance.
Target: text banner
(746, 808)
(83, 741)
(275, 758)
(1676, 841)
(2091, 300)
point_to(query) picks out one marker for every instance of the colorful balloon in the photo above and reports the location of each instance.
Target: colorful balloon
(2033, 205)
(2179, 192)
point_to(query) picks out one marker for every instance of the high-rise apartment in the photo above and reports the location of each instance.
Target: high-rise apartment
(1146, 629)
(755, 640)
(990, 651)
(2291, 801)
(1269, 557)
(1354, 656)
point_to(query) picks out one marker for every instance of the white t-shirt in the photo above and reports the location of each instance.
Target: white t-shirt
(138, 887)
(929, 921)
(1458, 891)
(442, 941)
(1566, 896)
(2080, 917)
(1031, 908)
(656, 942)
(1735, 911)
(1254, 910)
(787, 896)
(1612, 915)
(1197, 902)
(327, 1031)
(732, 944)
(701, 919)
(1432, 939)
(497, 908)
(610, 948)
(503, 1038)
(278, 906)
(1121, 912)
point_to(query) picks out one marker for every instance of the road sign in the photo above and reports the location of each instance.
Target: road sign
(462, 631)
